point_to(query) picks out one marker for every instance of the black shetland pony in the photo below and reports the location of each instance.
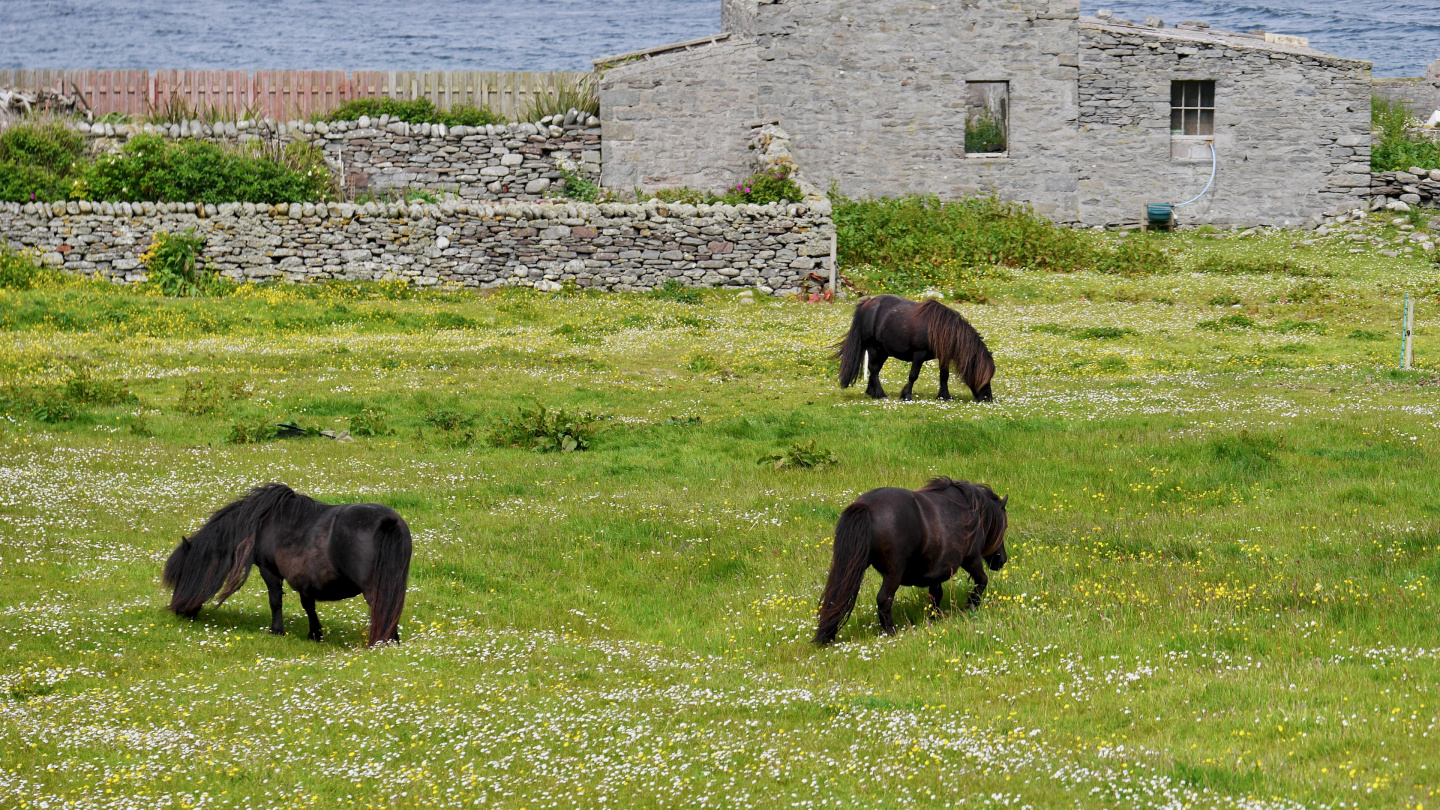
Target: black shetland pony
(913, 537)
(325, 552)
(890, 326)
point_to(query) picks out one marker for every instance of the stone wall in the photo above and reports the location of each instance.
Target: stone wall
(681, 118)
(873, 94)
(608, 246)
(1421, 95)
(498, 162)
(1412, 187)
(1292, 127)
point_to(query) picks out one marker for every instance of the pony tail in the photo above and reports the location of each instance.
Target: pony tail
(851, 352)
(853, 540)
(392, 568)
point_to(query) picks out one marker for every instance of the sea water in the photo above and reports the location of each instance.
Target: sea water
(1399, 36)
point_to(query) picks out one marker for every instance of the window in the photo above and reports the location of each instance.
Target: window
(987, 118)
(1192, 108)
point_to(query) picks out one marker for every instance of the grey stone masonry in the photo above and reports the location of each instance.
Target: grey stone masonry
(873, 94)
(1291, 126)
(1417, 186)
(495, 162)
(680, 118)
(609, 246)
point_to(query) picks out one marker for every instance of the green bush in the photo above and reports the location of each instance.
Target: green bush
(19, 271)
(173, 265)
(39, 161)
(149, 168)
(1398, 149)
(764, 188)
(251, 431)
(415, 111)
(907, 244)
(542, 430)
(579, 187)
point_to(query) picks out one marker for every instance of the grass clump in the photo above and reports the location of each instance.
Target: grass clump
(370, 422)
(805, 456)
(1399, 147)
(251, 431)
(416, 111)
(542, 430)
(1236, 321)
(673, 290)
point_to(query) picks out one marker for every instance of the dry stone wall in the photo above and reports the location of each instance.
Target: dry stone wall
(497, 162)
(1415, 187)
(609, 246)
(1292, 127)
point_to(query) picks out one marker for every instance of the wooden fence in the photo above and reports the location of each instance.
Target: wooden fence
(287, 94)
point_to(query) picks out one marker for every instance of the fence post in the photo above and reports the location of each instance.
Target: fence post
(1407, 345)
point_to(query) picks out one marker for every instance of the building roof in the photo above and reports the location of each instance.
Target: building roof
(1210, 36)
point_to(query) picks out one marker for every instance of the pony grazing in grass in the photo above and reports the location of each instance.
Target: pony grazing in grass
(913, 537)
(890, 326)
(325, 552)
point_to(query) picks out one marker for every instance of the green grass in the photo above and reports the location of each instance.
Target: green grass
(1223, 549)
(1397, 149)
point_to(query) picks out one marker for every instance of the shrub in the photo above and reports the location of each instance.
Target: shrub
(908, 244)
(173, 266)
(1398, 147)
(1101, 333)
(803, 456)
(416, 111)
(19, 271)
(200, 398)
(764, 188)
(149, 168)
(1223, 300)
(578, 186)
(39, 161)
(52, 408)
(84, 389)
(541, 430)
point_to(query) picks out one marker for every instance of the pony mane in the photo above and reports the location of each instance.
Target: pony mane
(956, 342)
(989, 509)
(218, 555)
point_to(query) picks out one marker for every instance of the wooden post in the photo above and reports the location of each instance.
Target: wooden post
(834, 273)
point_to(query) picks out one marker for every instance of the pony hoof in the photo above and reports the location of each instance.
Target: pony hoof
(277, 632)
(944, 397)
(317, 636)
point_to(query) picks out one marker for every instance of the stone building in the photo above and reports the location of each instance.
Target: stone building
(1086, 119)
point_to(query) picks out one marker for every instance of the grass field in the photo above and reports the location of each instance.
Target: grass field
(1222, 587)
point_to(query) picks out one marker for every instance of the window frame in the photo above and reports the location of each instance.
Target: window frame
(1004, 116)
(1189, 109)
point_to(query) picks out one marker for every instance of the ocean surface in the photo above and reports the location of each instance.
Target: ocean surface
(1399, 36)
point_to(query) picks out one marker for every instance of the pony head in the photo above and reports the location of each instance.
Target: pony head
(995, 543)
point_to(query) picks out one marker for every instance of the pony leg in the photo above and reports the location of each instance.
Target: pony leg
(876, 361)
(915, 366)
(273, 583)
(885, 601)
(316, 633)
(937, 594)
(976, 569)
(945, 382)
